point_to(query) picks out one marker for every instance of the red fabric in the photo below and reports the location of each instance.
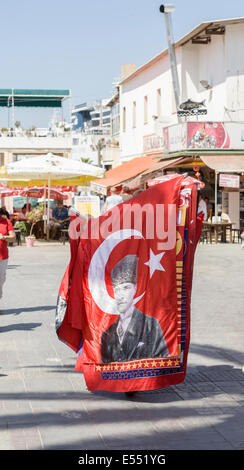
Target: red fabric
(38, 192)
(164, 282)
(5, 228)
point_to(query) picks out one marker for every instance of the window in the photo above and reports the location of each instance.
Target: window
(124, 119)
(159, 102)
(145, 109)
(134, 114)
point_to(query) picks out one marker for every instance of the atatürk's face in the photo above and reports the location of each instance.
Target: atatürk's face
(124, 294)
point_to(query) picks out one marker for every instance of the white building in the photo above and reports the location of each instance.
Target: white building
(210, 67)
(91, 130)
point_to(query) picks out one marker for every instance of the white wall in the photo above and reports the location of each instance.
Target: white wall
(235, 71)
(147, 83)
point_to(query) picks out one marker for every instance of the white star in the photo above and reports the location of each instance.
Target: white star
(154, 262)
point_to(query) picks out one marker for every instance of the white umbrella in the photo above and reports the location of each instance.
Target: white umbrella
(50, 168)
(53, 167)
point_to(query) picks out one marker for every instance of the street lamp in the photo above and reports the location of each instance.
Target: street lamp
(168, 8)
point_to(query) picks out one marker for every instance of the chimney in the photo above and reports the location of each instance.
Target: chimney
(126, 70)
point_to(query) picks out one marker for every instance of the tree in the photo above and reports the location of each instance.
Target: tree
(17, 124)
(34, 216)
(99, 146)
(86, 160)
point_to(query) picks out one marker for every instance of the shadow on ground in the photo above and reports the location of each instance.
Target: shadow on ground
(203, 412)
(19, 326)
(18, 311)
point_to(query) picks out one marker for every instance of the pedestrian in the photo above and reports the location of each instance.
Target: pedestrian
(6, 235)
(112, 200)
(5, 213)
(125, 193)
(202, 207)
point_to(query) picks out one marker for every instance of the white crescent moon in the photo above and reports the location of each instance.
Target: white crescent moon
(96, 273)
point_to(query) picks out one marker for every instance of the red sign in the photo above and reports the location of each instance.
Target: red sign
(207, 135)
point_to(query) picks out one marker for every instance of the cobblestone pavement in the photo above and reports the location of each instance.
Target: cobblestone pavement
(44, 403)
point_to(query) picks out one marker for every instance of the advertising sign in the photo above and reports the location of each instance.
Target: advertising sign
(203, 135)
(229, 181)
(207, 135)
(152, 143)
(88, 205)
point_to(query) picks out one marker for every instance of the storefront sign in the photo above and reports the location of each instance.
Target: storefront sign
(229, 181)
(152, 143)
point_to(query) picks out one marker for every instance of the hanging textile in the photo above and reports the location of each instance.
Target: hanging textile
(124, 301)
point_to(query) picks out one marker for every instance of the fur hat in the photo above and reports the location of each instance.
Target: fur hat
(125, 270)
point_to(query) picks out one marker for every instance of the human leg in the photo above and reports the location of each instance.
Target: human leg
(56, 228)
(3, 269)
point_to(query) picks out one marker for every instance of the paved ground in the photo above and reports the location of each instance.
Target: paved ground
(44, 403)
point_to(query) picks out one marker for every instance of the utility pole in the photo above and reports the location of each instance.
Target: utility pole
(167, 10)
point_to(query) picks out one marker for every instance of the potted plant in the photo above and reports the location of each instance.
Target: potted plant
(34, 216)
(23, 227)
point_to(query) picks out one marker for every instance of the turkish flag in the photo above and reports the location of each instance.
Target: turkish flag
(124, 301)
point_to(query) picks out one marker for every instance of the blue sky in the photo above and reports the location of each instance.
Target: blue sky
(81, 44)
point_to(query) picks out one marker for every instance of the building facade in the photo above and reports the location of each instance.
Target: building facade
(91, 130)
(210, 69)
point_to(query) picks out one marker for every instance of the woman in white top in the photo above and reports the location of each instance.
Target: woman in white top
(112, 200)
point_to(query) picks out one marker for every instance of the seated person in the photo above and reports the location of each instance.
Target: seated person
(60, 215)
(22, 214)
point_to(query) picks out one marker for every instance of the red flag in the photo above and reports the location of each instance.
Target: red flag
(124, 302)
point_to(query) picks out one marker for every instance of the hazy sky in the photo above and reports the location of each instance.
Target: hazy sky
(81, 44)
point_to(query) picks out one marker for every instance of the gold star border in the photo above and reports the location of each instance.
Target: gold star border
(143, 364)
(179, 274)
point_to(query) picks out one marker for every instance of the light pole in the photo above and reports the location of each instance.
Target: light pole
(167, 10)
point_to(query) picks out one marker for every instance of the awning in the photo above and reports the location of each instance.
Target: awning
(125, 172)
(163, 164)
(225, 163)
(134, 184)
(28, 98)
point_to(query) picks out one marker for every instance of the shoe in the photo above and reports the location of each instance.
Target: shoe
(129, 394)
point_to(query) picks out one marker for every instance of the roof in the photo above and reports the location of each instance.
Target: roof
(165, 163)
(194, 33)
(113, 100)
(28, 98)
(128, 170)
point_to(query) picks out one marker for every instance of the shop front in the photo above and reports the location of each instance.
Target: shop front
(214, 153)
